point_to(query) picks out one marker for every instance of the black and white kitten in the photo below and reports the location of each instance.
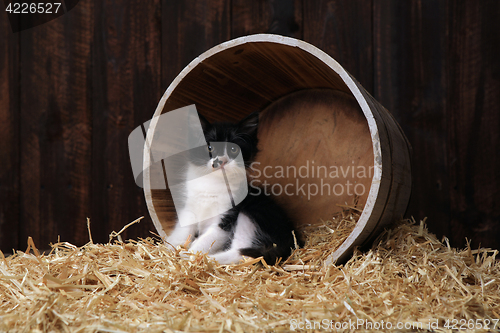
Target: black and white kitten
(255, 227)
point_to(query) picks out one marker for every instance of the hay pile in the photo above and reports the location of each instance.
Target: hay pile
(409, 279)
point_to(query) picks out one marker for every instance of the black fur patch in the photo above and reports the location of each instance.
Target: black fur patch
(274, 238)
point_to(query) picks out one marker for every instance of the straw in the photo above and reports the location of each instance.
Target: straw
(408, 278)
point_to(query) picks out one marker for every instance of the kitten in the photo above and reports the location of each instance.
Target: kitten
(255, 227)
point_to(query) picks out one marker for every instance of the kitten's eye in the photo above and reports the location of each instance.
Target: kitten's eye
(210, 149)
(234, 150)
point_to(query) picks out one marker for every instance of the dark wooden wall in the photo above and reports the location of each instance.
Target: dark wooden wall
(73, 89)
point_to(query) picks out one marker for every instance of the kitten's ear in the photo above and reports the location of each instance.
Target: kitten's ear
(249, 124)
(204, 122)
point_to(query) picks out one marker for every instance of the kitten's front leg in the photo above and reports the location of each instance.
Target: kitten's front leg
(243, 237)
(180, 234)
(212, 240)
(183, 229)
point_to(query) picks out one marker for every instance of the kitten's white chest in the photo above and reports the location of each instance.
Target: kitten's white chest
(207, 196)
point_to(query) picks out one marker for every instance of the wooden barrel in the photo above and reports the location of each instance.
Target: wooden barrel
(315, 116)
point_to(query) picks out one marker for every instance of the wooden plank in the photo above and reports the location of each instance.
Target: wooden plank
(126, 88)
(343, 29)
(473, 122)
(56, 128)
(409, 44)
(437, 71)
(188, 29)
(282, 17)
(9, 136)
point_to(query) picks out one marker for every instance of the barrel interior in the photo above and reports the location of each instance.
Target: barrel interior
(309, 118)
(316, 154)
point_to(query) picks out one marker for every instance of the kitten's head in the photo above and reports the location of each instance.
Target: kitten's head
(225, 141)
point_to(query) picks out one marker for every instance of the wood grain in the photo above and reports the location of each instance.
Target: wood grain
(237, 82)
(473, 122)
(343, 29)
(410, 82)
(282, 17)
(188, 29)
(9, 137)
(126, 80)
(56, 129)
(437, 74)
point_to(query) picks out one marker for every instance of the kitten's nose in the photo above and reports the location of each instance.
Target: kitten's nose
(220, 161)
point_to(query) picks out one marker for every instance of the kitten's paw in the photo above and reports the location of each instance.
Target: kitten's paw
(180, 236)
(175, 241)
(228, 257)
(200, 245)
